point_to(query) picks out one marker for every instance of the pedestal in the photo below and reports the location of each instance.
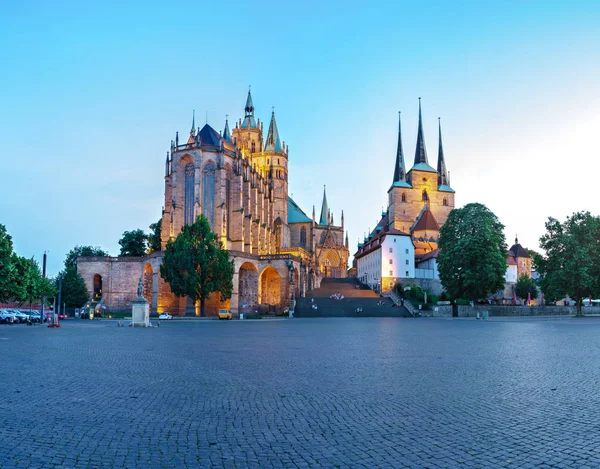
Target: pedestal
(140, 313)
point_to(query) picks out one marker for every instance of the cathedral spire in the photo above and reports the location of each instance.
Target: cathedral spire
(193, 130)
(273, 142)
(420, 151)
(324, 209)
(441, 165)
(226, 132)
(249, 121)
(399, 170)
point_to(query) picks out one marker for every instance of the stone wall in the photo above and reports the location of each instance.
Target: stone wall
(498, 311)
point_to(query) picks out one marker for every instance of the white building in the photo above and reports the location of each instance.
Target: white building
(385, 259)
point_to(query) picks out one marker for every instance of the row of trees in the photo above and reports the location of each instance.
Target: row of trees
(472, 258)
(21, 279)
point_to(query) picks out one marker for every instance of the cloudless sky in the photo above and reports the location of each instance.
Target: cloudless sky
(91, 94)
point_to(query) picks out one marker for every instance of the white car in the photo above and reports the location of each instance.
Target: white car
(165, 316)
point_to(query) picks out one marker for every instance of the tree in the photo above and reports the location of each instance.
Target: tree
(7, 268)
(154, 243)
(74, 291)
(526, 287)
(196, 265)
(133, 243)
(536, 259)
(572, 262)
(83, 251)
(472, 257)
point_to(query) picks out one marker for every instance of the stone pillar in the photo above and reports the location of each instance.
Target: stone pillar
(140, 312)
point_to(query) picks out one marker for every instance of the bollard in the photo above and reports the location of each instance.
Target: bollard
(478, 317)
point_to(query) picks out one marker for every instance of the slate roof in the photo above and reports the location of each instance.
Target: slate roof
(518, 251)
(433, 254)
(420, 150)
(427, 222)
(295, 213)
(273, 142)
(210, 136)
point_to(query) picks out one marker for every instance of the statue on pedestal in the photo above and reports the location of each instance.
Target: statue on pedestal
(140, 288)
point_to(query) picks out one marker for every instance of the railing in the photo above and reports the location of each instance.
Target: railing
(392, 295)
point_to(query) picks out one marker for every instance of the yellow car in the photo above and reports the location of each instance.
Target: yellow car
(225, 314)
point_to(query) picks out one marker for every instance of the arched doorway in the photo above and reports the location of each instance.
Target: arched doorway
(97, 286)
(248, 287)
(148, 284)
(269, 287)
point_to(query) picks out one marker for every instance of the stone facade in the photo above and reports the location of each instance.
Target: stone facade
(240, 183)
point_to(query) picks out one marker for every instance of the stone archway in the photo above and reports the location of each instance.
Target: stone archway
(269, 292)
(147, 279)
(97, 293)
(248, 286)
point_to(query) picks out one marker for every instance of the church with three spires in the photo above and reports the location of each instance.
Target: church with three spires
(237, 179)
(404, 241)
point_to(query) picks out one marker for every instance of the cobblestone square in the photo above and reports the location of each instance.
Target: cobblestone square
(347, 393)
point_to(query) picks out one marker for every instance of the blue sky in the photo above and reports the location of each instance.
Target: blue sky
(92, 95)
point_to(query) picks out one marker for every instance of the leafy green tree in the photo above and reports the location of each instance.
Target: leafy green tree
(133, 243)
(74, 291)
(196, 265)
(25, 281)
(536, 259)
(526, 286)
(7, 268)
(572, 262)
(472, 257)
(154, 237)
(83, 251)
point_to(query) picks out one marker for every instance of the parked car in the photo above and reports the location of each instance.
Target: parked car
(20, 316)
(165, 316)
(7, 317)
(225, 314)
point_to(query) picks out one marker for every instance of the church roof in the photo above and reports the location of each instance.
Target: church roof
(324, 210)
(427, 222)
(295, 213)
(423, 167)
(210, 136)
(273, 142)
(445, 188)
(249, 121)
(420, 150)
(402, 184)
(518, 251)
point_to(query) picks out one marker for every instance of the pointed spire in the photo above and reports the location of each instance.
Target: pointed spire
(249, 120)
(193, 130)
(273, 142)
(420, 151)
(399, 170)
(441, 165)
(313, 213)
(226, 132)
(249, 105)
(347, 244)
(324, 209)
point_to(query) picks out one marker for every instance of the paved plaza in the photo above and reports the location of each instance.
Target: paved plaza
(348, 393)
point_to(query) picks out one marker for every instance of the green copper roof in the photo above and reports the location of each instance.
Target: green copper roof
(324, 210)
(401, 184)
(445, 188)
(423, 167)
(295, 213)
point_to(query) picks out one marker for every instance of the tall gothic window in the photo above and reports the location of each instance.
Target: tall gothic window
(445, 201)
(209, 193)
(425, 196)
(227, 200)
(303, 236)
(404, 197)
(188, 207)
(253, 147)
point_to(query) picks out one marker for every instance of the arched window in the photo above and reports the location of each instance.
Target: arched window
(425, 196)
(188, 206)
(228, 177)
(253, 147)
(404, 197)
(445, 202)
(209, 193)
(303, 236)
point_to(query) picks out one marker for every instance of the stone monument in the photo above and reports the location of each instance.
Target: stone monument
(140, 309)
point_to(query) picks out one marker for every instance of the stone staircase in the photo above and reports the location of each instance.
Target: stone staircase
(355, 296)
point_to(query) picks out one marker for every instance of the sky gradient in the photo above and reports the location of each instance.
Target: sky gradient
(92, 95)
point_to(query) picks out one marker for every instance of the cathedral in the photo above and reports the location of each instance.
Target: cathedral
(238, 179)
(419, 202)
